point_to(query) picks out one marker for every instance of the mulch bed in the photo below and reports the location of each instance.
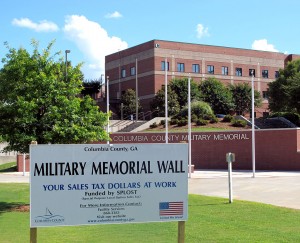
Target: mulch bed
(20, 208)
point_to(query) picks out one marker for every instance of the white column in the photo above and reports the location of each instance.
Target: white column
(189, 127)
(253, 128)
(166, 99)
(107, 105)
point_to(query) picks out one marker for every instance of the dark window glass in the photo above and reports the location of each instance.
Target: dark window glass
(224, 70)
(265, 95)
(265, 74)
(163, 66)
(196, 68)
(210, 69)
(238, 72)
(276, 74)
(180, 67)
(123, 73)
(251, 72)
(132, 71)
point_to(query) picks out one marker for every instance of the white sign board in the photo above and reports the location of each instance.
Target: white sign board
(103, 184)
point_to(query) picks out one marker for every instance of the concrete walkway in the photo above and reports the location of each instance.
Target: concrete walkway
(14, 177)
(276, 188)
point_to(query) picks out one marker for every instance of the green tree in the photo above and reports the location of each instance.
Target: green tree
(158, 103)
(39, 103)
(91, 88)
(242, 98)
(180, 87)
(217, 95)
(284, 92)
(129, 103)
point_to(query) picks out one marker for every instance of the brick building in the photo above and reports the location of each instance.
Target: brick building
(142, 67)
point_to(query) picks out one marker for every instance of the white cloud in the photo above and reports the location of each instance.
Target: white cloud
(42, 26)
(201, 31)
(93, 41)
(115, 14)
(263, 45)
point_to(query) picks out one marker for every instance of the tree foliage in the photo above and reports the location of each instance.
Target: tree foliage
(284, 92)
(91, 87)
(217, 95)
(158, 103)
(38, 102)
(129, 103)
(242, 98)
(180, 87)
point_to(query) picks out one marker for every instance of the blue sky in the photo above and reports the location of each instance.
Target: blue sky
(92, 29)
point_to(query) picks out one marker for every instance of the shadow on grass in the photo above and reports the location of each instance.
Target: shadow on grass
(15, 206)
(208, 204)
(10, 169)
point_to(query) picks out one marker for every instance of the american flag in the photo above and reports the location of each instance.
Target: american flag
(170, 208)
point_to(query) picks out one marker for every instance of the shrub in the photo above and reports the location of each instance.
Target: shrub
(207, 116)
(153, 125)
(227, 118)
(238, 123)
(194, 118)
(214, 119)
(174, 121)
(182, 122)
(198, 108)
(162, 122)
(201, 122)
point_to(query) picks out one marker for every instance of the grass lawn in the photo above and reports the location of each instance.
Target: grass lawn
(210, 219)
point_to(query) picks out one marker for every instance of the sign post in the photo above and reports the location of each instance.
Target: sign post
(33, 230)
(181, 231)
(230, 157)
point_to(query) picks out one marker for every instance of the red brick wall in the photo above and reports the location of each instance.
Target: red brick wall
(20, 163)
(276, 149)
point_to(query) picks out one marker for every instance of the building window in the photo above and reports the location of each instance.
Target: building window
(238, 72)
(210, 69)
(224, 70)
(265, 95)
(265, 74)
(276, 74)
(163, 66)
(123, 73)
(195, 68)
(180, 67)
(251, 72)
(132, 71)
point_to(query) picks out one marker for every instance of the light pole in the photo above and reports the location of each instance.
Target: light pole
(166, 99)
(136, 92)
(253, 125)
(107, 105)
(189, 127)
(101, 85)
(67, 51)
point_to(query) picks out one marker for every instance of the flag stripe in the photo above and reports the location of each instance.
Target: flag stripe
(170, 208)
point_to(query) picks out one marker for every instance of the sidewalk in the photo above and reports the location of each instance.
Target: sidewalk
(276, 188)
(14, 177)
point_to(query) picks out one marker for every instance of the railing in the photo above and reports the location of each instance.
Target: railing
(286, 121)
